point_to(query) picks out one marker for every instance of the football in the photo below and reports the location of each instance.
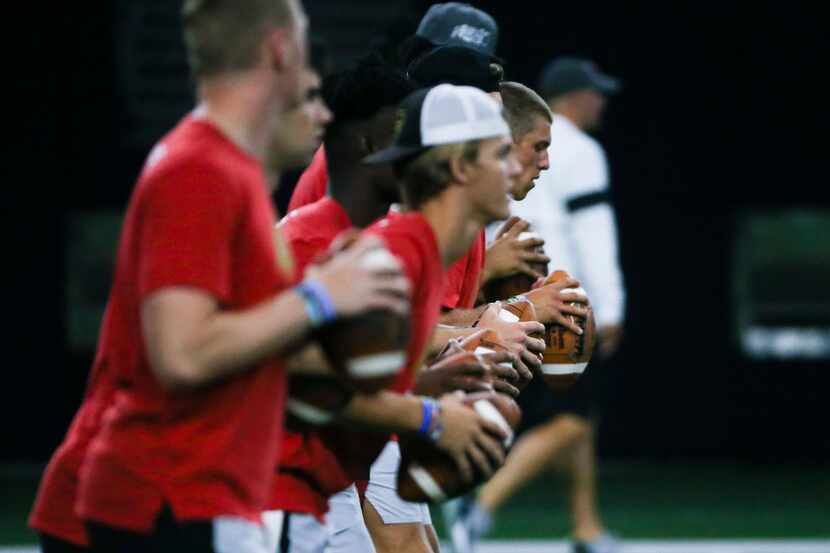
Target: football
(566, 353)
(368, 350)
(428, 475)
(513, 285)
(315, 399)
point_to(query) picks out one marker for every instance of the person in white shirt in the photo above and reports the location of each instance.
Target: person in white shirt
(569, 207)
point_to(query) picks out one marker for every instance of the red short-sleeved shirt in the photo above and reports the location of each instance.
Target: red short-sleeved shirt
(313, 182)
(411, 239)
(201, 217)
(54, 509)
(309, 472)
(463, 277)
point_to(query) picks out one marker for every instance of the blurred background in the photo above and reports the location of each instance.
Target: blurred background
(716, 417)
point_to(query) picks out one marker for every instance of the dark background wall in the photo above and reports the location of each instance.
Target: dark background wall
(722, 112)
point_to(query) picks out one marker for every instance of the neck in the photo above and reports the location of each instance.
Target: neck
(272, 178)
(454, 224)
(243, 107)
(362, 202)
(570, 111)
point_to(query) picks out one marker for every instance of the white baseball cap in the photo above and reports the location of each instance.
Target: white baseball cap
(445, 114)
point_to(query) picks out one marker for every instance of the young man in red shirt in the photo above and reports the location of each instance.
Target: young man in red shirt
(185, 399)
(317, 464)
(455, 175)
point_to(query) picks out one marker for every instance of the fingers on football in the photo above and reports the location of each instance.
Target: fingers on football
(506, 388)
(574, 297)
(470, 385)
(535, 345)
(569, 282)
(567, 323)
(531, 327)
(530, 243)
(524, 268)
(465, 469)
(508, 226)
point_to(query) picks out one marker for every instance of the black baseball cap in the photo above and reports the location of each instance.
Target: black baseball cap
(567, 74)
(459, 24)
(456, 65)
(445, 114)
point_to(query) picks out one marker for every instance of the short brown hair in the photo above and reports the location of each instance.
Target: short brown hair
(430, 173)
(225, 35)
(521, 108)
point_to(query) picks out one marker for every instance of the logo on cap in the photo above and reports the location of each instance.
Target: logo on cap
(473, 35)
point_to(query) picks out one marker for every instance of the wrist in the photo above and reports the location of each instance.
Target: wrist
(318, 303)
(431, 426)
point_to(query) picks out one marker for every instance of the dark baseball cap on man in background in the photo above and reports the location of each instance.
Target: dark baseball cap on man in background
(455, 23)
(457, 65)
(451, 24)
(566, 74)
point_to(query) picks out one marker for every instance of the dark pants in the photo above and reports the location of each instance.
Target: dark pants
(50, 544)
(168, 536)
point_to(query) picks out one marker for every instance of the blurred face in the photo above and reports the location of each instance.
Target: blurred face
(532, 154)
(382, 131)
(592, 106)
(301, 131)
(290, 49)
(490, 178)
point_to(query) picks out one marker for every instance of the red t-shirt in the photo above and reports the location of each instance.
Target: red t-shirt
(463, 277)
(309, 472)
(411, 239)
(54, 509)
(200, 217)
(313, 182)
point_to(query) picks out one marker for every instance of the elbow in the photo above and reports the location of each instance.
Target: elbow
(177, 375)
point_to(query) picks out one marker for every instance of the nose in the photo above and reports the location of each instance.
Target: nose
(513, 165)
(544, 161)
(324, 114)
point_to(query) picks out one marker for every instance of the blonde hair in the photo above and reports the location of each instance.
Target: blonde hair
(225, 35)
(430, 173)
(522, 107)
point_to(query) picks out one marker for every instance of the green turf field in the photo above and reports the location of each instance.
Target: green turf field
(640, 500)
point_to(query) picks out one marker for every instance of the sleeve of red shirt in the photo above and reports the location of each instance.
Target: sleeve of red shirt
(189, 216)
(406, 251)
(454, 281)
(312, 184)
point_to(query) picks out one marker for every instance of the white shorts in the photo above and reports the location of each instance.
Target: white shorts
(383, 491)
(289, 532)
(347, 530)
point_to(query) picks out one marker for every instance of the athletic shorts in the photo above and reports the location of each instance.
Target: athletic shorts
(226, 534)
(288, 532)
(540, 404)
(383, 491)
(347, 529)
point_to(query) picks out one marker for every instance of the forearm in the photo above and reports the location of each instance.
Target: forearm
(385, 412)
(463, 317)
(194, 350)
(444, 333)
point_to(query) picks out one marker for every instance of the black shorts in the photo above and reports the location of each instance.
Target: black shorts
(51, 544)
(540, 404)
(219, 535)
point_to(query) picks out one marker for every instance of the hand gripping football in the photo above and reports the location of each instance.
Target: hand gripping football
(567, 354)
(428, 475)
(368, 350)
(513, 285)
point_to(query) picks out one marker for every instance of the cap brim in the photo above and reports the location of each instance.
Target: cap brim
(393, 154)
(606, 84)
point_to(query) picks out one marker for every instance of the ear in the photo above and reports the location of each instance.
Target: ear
(460, 169)
(277, 48)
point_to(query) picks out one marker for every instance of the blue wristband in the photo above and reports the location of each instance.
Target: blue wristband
(318, 305)
(321, 295)
(427, 409)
